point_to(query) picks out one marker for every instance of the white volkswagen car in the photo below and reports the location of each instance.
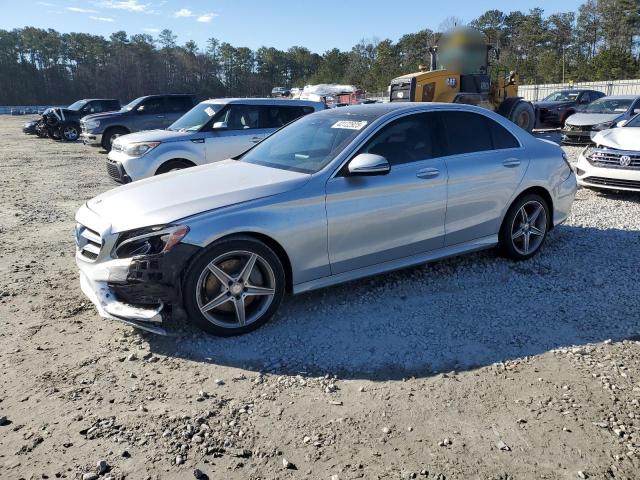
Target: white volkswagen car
(211, 131)
(613, 163)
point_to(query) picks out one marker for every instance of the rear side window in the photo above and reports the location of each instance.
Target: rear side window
(278, 115)
(179, 104)
(407, 139)
(501, 137)
(467, 132)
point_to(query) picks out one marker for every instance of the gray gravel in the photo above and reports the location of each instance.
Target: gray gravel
(458, 313)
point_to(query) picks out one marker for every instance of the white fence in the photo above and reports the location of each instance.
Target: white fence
(613, 87)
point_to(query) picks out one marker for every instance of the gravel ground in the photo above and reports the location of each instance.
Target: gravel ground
(474, 367)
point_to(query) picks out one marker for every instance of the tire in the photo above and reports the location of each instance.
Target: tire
(202, 287)
(521, 238)
(523, 115)
(110, 135)
(70, 132)
(172, 165)
(565, 116)
(53, 133)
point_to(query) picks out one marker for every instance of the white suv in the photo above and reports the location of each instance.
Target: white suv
(213, 130)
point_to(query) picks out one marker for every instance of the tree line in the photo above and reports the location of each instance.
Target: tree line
(598, 42)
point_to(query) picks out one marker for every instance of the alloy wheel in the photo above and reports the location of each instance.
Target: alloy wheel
(70, 133)
(529, 227)
(235, 289)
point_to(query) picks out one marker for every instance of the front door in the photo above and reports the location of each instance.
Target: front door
(375, 219)
(238, 130)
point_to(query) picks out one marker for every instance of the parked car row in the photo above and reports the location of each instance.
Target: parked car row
(334, 195)
(582, 114)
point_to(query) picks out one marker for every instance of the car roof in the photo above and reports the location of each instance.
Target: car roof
(373, 111)
(263, 101)
(621, 97)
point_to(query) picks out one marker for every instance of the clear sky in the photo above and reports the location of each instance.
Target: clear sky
(317, 25)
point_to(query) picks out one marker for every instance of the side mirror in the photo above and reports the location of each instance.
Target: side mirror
(621, 123)
(368, 164)
(219, 126)
(636, 111)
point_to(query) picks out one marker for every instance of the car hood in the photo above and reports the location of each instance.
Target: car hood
(159, 136)
(624, 138)
(102, 116)
(166, 198)
(582, 118)
(552, 104)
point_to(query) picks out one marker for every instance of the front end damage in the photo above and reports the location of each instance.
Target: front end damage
(142, 290)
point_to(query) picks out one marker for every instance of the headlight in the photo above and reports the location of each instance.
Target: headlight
(139, 149)
(91, 124)
(149, 241)
(603, 126)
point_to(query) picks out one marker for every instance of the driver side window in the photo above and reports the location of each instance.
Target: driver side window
(151, 106)
(241, 117)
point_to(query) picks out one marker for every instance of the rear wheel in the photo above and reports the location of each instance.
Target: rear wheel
(110, 135)
(523, 115)
(525, 227)
(172, 165)
(234, 286)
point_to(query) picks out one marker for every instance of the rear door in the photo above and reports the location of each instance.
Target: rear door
(240, 131)
(486, 164)
(375, 219)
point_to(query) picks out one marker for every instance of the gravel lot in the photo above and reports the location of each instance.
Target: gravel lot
(474, 367)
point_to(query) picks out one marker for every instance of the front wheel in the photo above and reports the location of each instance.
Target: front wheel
(525, 227)
(70, 132)
(110, 136)
(234, 286)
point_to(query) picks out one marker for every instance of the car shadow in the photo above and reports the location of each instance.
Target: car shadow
(459, 313)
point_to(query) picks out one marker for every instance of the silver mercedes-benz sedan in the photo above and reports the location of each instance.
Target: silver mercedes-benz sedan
(335, 196)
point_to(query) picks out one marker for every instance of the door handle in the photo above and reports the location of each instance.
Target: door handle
(256, 139)
(511, 162)
(428, 173)
(160, 116)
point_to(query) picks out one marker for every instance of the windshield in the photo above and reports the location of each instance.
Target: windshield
(609, 105)
(196, 118)
(132, 104)
(308, 144)
(562, 96)
(75, 106)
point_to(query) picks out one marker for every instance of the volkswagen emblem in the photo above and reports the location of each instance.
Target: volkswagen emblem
(625, 161)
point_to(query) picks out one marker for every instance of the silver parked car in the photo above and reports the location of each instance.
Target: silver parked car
(211, 131)
(334, 196)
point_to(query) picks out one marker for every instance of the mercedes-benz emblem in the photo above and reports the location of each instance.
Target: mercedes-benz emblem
(625, 160)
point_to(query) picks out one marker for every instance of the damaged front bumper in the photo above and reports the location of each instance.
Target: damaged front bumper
(141, 291)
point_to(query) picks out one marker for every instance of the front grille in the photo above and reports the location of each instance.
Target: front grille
(577, 128)
(612, 182)
(403, 90)
(115, 171)
(615, 159)
(88, 242)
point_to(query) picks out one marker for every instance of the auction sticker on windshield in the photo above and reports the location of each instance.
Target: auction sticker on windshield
(210, 111)
(350, 124)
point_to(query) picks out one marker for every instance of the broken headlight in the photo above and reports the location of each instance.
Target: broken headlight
(149, 241)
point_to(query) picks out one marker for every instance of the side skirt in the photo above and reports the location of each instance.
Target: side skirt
(440, 254)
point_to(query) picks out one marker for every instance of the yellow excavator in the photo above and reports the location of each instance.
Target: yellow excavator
(461, 72)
